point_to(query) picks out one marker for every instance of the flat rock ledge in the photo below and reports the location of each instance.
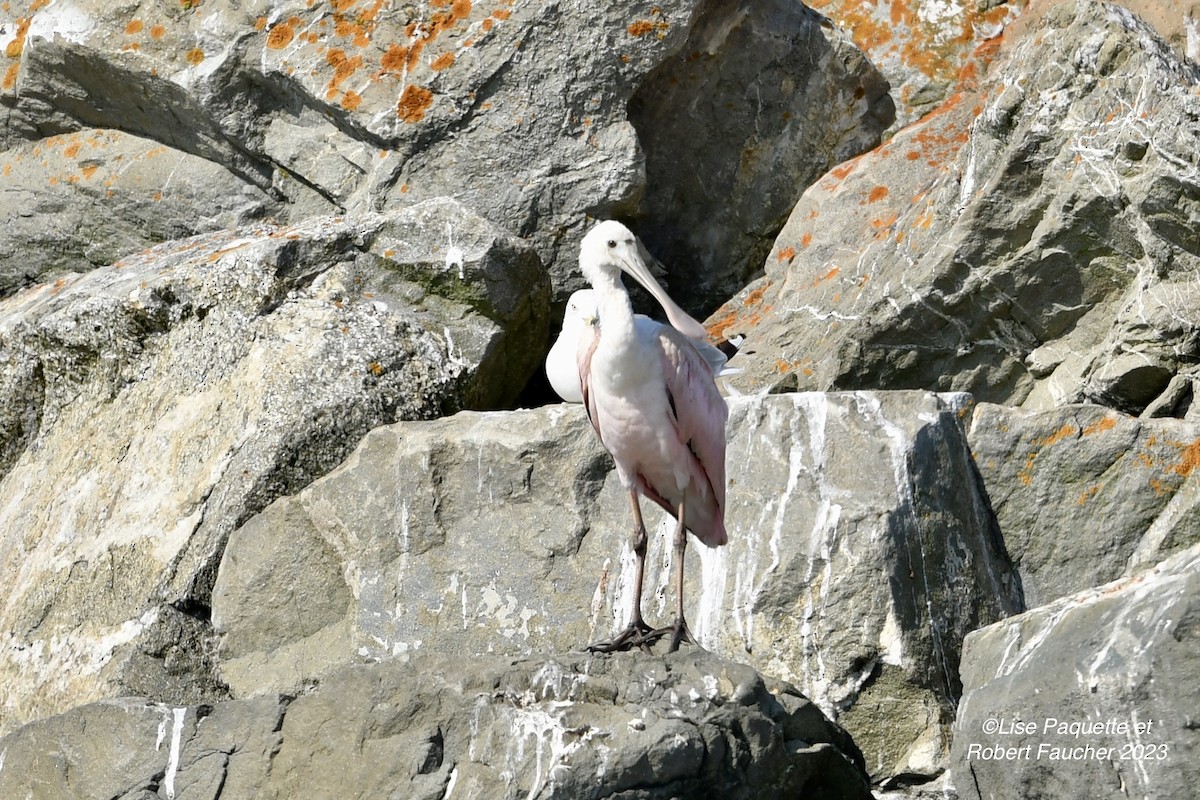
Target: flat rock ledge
(630, 725)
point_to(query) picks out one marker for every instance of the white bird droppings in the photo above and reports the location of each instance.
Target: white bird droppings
(173, 758)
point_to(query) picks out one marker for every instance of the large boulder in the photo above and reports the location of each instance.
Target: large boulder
(756, 105)
(1091, 696)
(520, 110)
(860, 554)
(1034, 242)
(149, 408)
(81, 200)
(1084, 494)
(629, 725)
(923, 47)
(926, 49)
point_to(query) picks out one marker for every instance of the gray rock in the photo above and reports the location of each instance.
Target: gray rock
(924, 50)
(151, 407)
(628, 726)
(861, 553)
(756, 105)
(516, 109)
(1092, 696)
(1084, 494)
(81, 200)
(1033, 243)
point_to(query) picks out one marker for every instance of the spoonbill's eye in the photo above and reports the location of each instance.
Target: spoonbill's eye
(612, 242)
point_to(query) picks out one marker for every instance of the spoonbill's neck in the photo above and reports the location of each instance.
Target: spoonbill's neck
(616, 312)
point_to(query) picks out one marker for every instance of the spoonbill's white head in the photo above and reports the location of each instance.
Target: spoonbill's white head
(611, 248)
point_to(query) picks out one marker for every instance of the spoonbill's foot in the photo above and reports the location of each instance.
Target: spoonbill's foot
(680, 633)
(636, 634)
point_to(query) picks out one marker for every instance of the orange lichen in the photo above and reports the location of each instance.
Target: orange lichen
(343, 66)
(1100, 425)
(1026, 474)
(832, 273)
(351, 100)
(71, 150)
(1066, 431)
(501, 13)
(747, 315)
(786, 254)
(89, 170)
(1088, 493)
(876, 194)
(642, 27)
(444, 61)
(157, 31)
(260, 23)
(880, 223)
(1189, 459)
(394, 58)
(281, 34)
(134, 26)
(414, 101)
(195, 56)
(843, 171)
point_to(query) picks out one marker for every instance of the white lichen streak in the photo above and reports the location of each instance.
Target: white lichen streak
(820, 546)
(898, 439)
(454, 254)
(622, 591)
(714, 577)
(60, 662)
(173, 758)
(746, 564)
(662, 555)
(452, 359)
(891, 645)
(405, 548)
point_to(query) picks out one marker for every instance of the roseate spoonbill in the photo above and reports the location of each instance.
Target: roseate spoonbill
(562, 366)
(652, 400)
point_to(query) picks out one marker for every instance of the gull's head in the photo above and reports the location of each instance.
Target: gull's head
(582, 310)
(609, 249)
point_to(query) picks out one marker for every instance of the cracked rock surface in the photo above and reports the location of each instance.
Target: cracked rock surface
(1033, 242)
(151, 406)
(624, 726)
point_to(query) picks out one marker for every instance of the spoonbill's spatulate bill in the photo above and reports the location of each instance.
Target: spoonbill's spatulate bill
(582, 311)
(651, 398)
